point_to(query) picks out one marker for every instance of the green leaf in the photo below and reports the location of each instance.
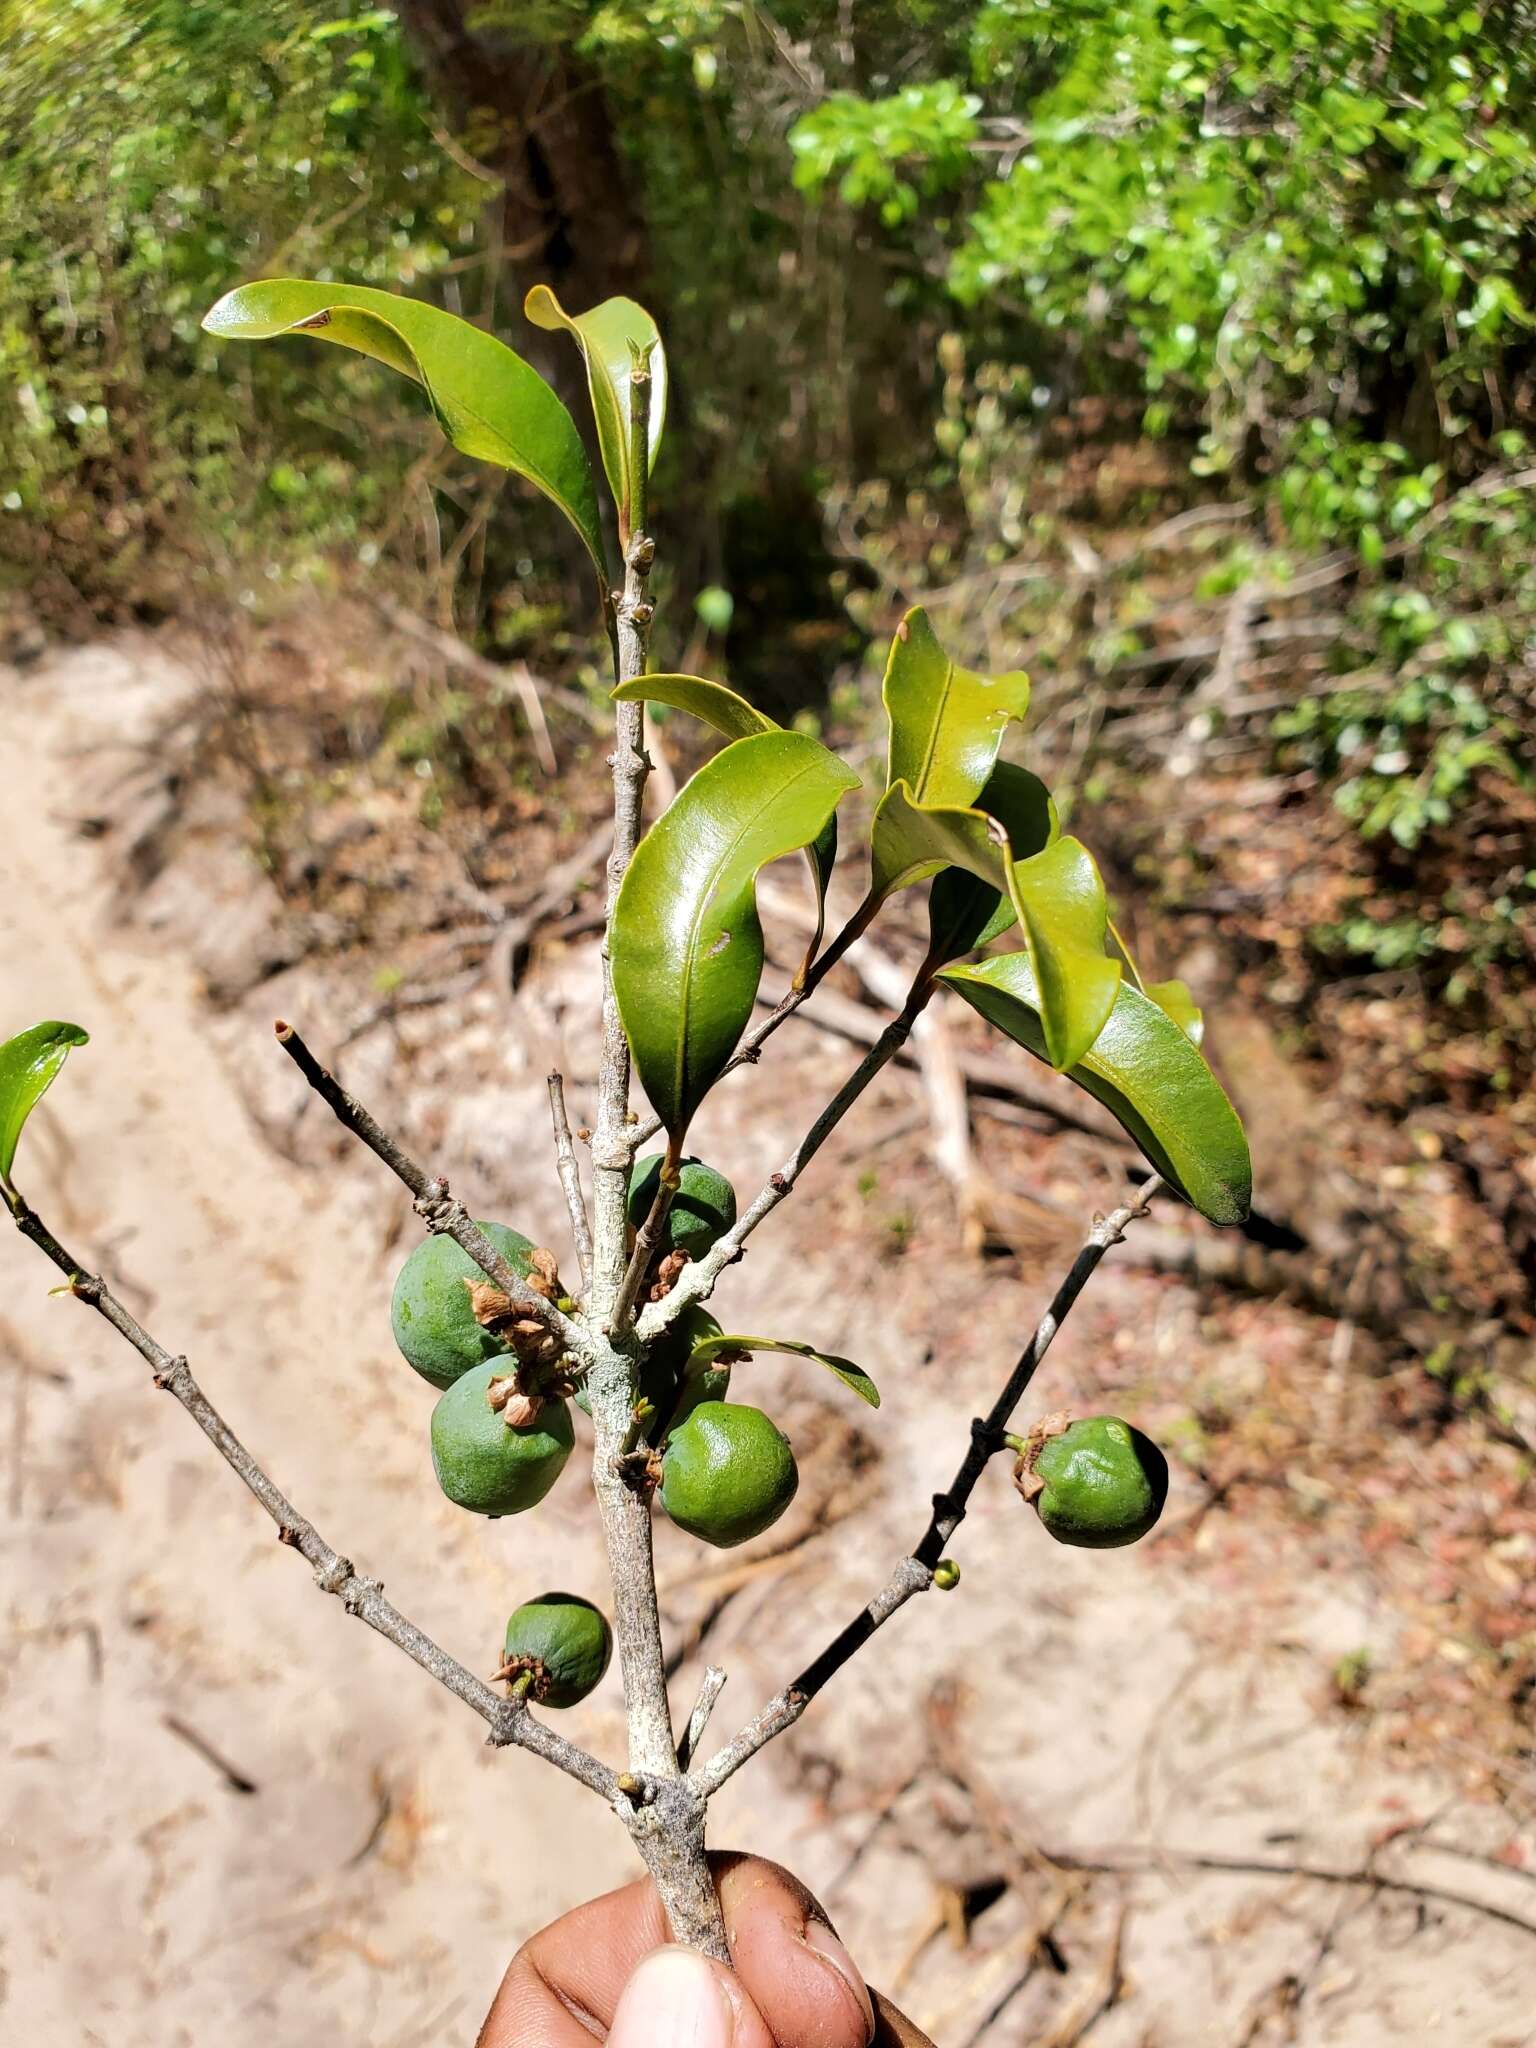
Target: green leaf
(1175, 998)
(28, 1064)
(488, 401)
(713, 702)
(910, 841)
(946, 723)
(1147, 1075)
(732, 715)
(1063, 915)
(608, 336)
(851, 1375)
(965, 912)
(687, 943)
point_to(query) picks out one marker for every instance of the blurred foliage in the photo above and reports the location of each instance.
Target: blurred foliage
(156, 151)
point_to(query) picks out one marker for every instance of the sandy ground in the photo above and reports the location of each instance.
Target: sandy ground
(230, 1814)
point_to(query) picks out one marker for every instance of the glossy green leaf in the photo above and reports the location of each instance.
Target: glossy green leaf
(713, 702)
(732, 715)
(1175, 998)
(946, 723)
(1063, 915)
(965, 912)
(487, 400)
(1147, 1075)
(910, 841)
(687, 943)
(28, 1064)
(851, 1375)
(607, 337)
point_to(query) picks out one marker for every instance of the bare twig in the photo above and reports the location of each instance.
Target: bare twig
(508, 1720)
(699, 1277)
(1136, 1861)
(438, 1209)
(914, 1574)
(710, 1688)
(570, 1179)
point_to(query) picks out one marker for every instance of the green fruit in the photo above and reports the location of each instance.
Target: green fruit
(430, 1314)
(727, 1473)
(1105, 1483)
(484, 1465)
(703, 1208)
(563, 1642)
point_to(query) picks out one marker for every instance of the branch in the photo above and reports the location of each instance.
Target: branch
(914, 1574)
(698, 1278)
(570, 1179)
(440, 1211)
(710, 1688)
(675, 1858)
(647, 1240)
(508, 1720)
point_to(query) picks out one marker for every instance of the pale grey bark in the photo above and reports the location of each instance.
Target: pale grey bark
(570, 1180)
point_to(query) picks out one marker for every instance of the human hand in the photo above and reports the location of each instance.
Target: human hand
(607, 1971)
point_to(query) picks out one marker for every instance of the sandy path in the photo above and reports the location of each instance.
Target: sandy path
(372, 1886)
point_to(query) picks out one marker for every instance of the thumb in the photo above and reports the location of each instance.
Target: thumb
(677, 1999)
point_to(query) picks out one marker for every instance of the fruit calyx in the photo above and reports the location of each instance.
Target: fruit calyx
(1029, 1447)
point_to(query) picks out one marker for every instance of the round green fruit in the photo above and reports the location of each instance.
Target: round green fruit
(727, 1473)
(563, 1643)
(703, 1208)
(1105, 1483)
(487, 1467)
(430, 1314)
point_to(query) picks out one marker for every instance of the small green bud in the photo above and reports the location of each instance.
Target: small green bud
(946, 1575)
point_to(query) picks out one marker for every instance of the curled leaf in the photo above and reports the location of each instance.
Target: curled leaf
(1175, 998)
(851, 1375)
(1146, 1073)
(724, 709)
(609, 335)
(731, 714)
(488, 401)
(964, 911)
(28, 1065)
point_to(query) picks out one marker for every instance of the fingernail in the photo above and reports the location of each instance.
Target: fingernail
(674, 2000)
(819, 1936)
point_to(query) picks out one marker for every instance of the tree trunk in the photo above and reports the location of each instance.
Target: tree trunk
(539, 119)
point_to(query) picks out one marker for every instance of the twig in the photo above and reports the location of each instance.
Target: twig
(1134, 1861)
(699, 1277)
(570, 1179)
(647, 1242)
(438, 1209)
(710, 1688)
(233, 1777)
(914, 1574)
(509, 1721)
